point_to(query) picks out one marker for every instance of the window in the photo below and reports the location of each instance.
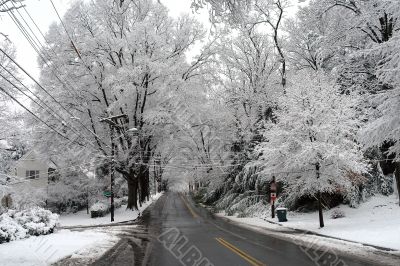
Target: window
(32, 174)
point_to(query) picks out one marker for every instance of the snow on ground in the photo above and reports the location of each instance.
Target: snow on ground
(375, 222)
(81, 218)
(45, 250)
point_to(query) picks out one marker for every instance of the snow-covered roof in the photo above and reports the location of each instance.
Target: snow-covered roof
(32, 155)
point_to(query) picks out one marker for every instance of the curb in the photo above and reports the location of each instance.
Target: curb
(129, 222)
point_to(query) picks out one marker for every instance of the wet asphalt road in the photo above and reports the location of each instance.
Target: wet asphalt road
(187, 235)
(174, 231)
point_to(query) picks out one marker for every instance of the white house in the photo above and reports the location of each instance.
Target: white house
(34, 170)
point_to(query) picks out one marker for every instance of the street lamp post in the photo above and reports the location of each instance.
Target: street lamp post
(112, 122)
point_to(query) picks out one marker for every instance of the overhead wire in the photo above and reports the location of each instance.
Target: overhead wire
(51, 96)
(37, 50)
(48, 109)
(72, 42)
(30, 112)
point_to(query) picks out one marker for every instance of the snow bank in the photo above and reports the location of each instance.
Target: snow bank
(45, 250)
(81, 218)
(375, 222)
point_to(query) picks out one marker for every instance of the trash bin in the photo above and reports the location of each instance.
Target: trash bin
(281, 213)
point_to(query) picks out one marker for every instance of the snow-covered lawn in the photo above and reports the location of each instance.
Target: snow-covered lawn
(88, 244)
(45, 250)
(375, 222)
(81, 218)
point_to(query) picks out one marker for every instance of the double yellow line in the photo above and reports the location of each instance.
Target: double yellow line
(194, 214)
(239, 252)
(244, 255)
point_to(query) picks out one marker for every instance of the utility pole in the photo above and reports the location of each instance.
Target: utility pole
(112, 192)
(112, 123)
(321, 217)
(112, 172)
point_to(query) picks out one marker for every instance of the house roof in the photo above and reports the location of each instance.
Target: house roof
(33, 155)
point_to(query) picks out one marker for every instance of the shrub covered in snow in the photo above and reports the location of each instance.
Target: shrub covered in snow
(336, 214)
(10, 230)
(100, 207)
(20, 224)
(37, 221)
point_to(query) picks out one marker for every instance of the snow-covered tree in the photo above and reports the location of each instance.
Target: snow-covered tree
(312, 148)
(355, 40)
(384, 124)
(11, 149)
(8, 5)
(126, 59)
(252, 13)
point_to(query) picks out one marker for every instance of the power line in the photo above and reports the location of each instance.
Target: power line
(51, 96)
(51, 48)
(25, 87)
(29, 111)
(17, 9)
(33, 100)
(72, 42)
(37, 50)
(37, 46)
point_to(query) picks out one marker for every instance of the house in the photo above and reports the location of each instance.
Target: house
(34, 170)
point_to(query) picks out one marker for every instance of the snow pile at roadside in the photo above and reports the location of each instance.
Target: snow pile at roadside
(45, 250)
(81, 218)
(375, 222)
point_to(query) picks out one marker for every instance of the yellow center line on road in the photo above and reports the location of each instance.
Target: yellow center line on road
(244, 255)
(194, 214)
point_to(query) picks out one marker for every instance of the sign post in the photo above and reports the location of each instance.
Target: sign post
(273, 196)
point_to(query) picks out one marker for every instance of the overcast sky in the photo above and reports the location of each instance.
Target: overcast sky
(43, 14)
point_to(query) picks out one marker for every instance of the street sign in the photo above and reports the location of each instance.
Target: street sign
(107, 194)
(273, 196)
(272, 190)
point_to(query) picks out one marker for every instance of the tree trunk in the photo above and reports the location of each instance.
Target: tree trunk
(132, 193)
(397, 177)
(140, 190)
(144, 183)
